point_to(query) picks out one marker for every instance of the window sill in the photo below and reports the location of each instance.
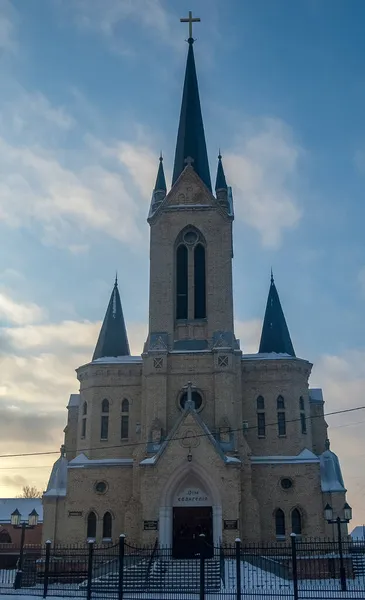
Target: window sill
(107, 540)
(261, 437)
(282, 435)
(124, 439)
(280, 538)
(103, 439)
(91, 539)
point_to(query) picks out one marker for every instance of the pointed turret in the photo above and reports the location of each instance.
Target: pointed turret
(275, 335)
(113, 340)
(190, 146)
(221, 188)
(160, 189)
(160, 185)
(220, 182)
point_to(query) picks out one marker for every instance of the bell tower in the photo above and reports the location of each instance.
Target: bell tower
(191, 300)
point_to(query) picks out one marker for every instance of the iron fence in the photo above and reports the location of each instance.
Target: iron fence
(302, 569)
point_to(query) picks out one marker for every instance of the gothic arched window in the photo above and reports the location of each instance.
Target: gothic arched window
(84, 418)
(190, 274)
(91, 525)
(124, 423)
(5, 537)
(199, 282)
(279, 523)
(104, 423)
(261, 424)
(107, 526)
(280, 405)
(182, 282)
(296, 522)
(303, 420)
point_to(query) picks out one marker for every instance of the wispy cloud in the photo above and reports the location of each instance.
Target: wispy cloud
(342, 378)
(35, 186)
(263, 167)
(361, 280)
(8, 41)
(19, 313)
(248, 332)
(109, 17)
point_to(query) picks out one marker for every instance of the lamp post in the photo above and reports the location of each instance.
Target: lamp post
(15, 519)
(347, 516)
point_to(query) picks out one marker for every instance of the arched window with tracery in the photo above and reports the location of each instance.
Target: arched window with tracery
(182, 282)
(190, 289)
(91, 525)
(124, 424)
(107, 526)
(199, 282)
(104, 423)
(296, 522)
(280, 406)
(84, 420)
(279, 523)
(303, 420)
(261, 422)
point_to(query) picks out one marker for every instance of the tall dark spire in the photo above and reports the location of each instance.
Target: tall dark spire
(220, 182)
(275, 336)
(160, 185)
(191, 137)
(113, 340)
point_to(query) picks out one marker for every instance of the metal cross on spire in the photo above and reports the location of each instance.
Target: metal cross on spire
(190, 20)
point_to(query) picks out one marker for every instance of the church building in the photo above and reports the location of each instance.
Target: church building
(193, 436)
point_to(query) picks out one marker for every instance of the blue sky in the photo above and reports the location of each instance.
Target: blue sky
(90, 94)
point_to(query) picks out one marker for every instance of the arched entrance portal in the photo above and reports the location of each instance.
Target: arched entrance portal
(190, 506)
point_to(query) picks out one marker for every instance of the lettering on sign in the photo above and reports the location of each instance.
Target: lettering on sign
(230, 524)
(192, 497)
(75, 513)
(150, 525)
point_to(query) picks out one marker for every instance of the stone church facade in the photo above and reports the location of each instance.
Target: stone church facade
(193, 435)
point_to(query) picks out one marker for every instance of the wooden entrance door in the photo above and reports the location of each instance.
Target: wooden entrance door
(188, 524)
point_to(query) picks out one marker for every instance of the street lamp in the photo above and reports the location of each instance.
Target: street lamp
(347, 516)
(15, 519)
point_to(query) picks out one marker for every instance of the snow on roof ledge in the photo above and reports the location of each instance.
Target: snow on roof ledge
(306, 456)
(81, 461)
(117, 360)
(74, 400)
(24, 506)
(315, 395)
(267, 356)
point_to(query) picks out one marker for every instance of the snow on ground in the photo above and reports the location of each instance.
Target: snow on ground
(256, 584)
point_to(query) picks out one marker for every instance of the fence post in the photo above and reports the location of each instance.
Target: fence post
(121, 566)
(90, 569)
(238, 569)
(294, 564)
(46, 568)
(202, 566)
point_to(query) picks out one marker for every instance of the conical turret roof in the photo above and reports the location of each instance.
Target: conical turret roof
(275, 336)
(190, 145)
(113, 340)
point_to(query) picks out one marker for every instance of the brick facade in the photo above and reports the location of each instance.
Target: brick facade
(221, 437)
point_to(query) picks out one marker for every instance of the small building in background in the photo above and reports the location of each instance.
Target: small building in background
(358, 534)
(10, 535)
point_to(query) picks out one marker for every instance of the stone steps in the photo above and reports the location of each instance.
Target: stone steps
(172, 574)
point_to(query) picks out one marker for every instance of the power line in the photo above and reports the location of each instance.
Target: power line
(54, 452)
(133, 444)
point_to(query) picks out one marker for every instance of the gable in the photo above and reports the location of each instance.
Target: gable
(190, 432)
(189, 193)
